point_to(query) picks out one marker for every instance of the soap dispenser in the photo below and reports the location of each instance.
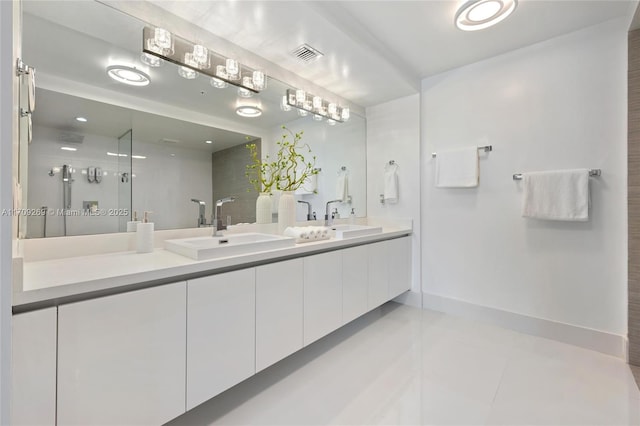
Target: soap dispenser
(144, 235)
(352, 216)
(132, 225)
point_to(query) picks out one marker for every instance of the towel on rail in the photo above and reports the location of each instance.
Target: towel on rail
(556, 195)
(391, 183)
(457, 168)
(342, 186)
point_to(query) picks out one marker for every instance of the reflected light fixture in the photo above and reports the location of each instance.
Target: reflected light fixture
(208, 142)
(81, 119)
(320, 108)
(284, 106)
(128, 75)
(68, 148)
(473, 15)
(249, 111)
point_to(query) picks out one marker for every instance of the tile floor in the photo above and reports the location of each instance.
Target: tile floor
(400, 365)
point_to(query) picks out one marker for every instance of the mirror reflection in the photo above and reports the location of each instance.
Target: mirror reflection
(158, 147)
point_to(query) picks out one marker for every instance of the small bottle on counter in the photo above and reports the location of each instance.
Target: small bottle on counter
(144, 235)
(352, 216)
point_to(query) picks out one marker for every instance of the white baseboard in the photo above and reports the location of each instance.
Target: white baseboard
(607, 343)
(410, 298)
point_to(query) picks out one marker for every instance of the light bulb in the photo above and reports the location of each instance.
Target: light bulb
(345, 114)
(259, 80)
(187, 73)
(201, 56)
(317, 102)
(233, 70)
(162, 38)
(301, 96)
(331, 122)
(302, 113)
(317, 117)
(221, 72)
(218, 84)
(151, 60)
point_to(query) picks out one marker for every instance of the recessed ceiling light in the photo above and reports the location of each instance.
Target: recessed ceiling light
(208, 142)
(81, 119)
(128, 75)
(248, 111)
(115, 154)
(475, 15)
(68, 148)
(139, 157)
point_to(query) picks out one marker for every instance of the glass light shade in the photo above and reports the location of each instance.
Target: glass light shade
(218, 84)
(345, 114)
(221, 71)
(187, 73)
(301, 96)
(317, 117)
(317, 102)
(162, 38)
(284, 106)
(331, 122)
(259, 80)
(244, 93)
(201, 56)
(333, 108)
(302, 113)
(190, 60)
(233, 69)
(150, 60)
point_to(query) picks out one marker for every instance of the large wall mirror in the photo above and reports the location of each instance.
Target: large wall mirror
(151, 148)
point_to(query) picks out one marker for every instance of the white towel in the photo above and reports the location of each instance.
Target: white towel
(457, 168)
(296, 232)
(557, 195)
(31, 90)
(342, 187)
(305, 234)
(391, 184)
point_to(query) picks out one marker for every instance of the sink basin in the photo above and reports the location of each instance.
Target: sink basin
(201, 248)
(351, 231)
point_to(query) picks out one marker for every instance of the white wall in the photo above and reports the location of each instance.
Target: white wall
(554, 105)
(393, 133)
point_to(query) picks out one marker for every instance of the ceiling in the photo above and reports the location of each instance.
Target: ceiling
(376, 51)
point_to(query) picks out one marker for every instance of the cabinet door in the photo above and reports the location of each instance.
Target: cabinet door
(322, 295)
(378, 275)
(121, 358)
(355, 276)
(278, 311)
(399, 252)
(220, 333)
(33, 368)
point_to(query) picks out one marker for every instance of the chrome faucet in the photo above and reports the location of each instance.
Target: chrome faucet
(328, 219)
(217, 222)
(308, 208)
(201, 206)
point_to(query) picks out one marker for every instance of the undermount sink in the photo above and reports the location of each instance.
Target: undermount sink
(201, 248)
(350, 231)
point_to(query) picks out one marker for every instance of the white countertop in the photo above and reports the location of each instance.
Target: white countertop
(58, 279)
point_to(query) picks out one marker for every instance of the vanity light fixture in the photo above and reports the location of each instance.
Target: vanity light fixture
(81, 119)
(473, 15)
(128, 75)
(284, 106)
(245, 93)
(198, 58)
(248, 111)
(320, 108)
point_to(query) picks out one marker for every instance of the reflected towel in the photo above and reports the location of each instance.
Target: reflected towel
(31, 90)
(391, 184)
(457, 168)
(342, 187)
(556, 195)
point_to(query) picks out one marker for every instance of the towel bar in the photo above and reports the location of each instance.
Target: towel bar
(592, 172)
(487, 148)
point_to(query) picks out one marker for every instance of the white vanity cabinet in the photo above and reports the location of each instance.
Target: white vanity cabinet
(378, 268)
(121, 358)
(322, 295)
(278, 311)
(221, 325)
(355, 280)
(399, 261)
(33, 369)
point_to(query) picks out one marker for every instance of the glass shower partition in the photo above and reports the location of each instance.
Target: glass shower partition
(125, 179)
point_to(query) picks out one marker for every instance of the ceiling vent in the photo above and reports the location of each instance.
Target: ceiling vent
(170, 141)
(306, 53)
(68, 137)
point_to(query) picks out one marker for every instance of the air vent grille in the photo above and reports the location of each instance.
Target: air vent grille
(306, 53)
